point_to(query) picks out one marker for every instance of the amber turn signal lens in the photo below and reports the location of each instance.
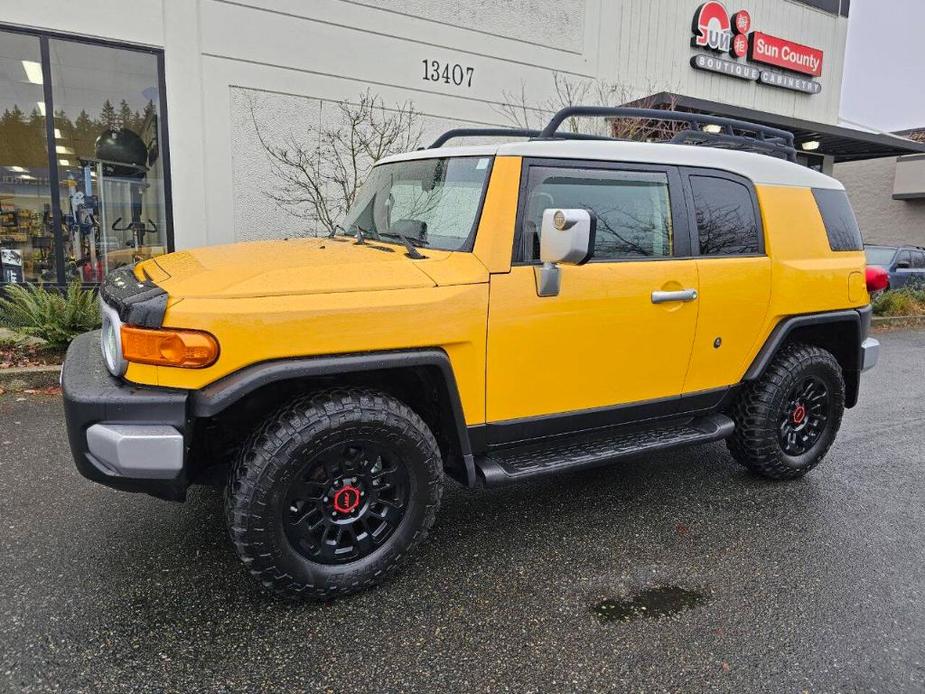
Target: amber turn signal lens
(186, 349)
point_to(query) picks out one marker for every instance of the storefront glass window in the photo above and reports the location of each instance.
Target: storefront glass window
(108, 134)
(26, 219)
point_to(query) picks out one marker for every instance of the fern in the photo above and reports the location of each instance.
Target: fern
(48, 314)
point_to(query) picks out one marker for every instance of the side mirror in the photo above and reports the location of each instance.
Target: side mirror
(903, 265)
(567, 237)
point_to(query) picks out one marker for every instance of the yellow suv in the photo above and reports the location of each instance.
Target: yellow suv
(489, 313)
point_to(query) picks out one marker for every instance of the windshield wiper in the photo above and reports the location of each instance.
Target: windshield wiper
(413, 252)
(360, 235)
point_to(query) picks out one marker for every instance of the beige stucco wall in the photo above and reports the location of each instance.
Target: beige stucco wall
(295, 56)
(882, 219)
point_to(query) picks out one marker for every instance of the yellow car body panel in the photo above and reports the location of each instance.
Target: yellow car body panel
(495, 239)
(807, 276)
(600, 342)
(257, 329)
(732, 310)
(290, 267)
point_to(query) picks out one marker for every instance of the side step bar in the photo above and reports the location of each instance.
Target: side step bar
(599, 447)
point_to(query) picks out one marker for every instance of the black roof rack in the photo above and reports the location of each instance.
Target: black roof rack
(507, 132)
(733, 133)
(761, 138)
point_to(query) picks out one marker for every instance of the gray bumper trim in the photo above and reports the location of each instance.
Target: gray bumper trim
(138, 451)
(870, 353)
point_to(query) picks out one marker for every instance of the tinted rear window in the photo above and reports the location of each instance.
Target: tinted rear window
(726, 220)
(840, 223)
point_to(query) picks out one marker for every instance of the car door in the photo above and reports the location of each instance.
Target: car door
(602, 343)
(734, 273)
(903, 271)
(917, 276)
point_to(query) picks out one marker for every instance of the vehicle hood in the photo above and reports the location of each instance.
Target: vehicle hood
(287, 267)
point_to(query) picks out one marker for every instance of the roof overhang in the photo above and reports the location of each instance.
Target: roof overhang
(844, 144)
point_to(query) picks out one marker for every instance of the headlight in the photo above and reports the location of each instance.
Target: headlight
(111, 340)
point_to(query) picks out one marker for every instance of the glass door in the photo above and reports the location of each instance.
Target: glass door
(108, 135)
(27, 251)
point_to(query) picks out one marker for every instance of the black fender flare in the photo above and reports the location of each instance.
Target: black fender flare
(858, 319)
(214, 398)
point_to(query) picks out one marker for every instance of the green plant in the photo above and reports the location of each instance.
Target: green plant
(900, 302)
(48, 314)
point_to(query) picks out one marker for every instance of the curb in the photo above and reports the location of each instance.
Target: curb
(887, 322)
(29, 377)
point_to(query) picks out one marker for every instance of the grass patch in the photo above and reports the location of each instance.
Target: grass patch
(900, 302)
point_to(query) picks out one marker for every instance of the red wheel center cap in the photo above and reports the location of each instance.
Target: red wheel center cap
(799, 414)
(346, 499)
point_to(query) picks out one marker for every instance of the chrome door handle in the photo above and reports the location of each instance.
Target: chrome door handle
(682, 295)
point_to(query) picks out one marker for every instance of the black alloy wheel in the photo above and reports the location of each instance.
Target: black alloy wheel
(347, 501)
(804, 416)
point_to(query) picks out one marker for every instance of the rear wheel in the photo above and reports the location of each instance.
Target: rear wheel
(787, 420)
(332, 492)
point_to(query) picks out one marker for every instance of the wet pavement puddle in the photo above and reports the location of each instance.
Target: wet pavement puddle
(651, 603)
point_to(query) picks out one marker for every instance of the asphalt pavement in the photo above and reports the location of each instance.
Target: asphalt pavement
(674, 572)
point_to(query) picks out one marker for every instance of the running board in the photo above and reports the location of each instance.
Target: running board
(590, 449)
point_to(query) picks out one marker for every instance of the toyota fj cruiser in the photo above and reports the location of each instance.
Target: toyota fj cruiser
(489, 313)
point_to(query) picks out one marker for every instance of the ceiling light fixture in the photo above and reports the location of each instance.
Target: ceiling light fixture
(17, 169)
(61, 149)
(41, 106)
(810, 146)
(713, 129)
(33, 71)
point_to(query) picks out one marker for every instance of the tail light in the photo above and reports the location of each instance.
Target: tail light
(187, 349)
(878, 279)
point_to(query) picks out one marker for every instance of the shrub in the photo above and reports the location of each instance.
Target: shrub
(900, 302)
(48, 314)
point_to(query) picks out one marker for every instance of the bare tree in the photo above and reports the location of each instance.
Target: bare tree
(320, 170)
(519, 111)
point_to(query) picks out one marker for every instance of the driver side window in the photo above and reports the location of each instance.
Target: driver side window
(633, 210)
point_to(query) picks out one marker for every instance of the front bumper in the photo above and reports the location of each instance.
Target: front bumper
(125, 436)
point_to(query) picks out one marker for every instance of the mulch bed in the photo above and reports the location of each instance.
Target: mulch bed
(15, 355)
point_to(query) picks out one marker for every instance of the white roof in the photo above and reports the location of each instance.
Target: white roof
(760, 168)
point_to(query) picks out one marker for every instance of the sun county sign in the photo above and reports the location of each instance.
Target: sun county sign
(715, 30)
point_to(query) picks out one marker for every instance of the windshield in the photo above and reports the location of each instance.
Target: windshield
(879, 256)
(433, 203)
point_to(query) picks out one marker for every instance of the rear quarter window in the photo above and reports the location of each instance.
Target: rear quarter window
(841, 225)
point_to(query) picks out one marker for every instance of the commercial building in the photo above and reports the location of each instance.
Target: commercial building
(128, 129)
(888, 195)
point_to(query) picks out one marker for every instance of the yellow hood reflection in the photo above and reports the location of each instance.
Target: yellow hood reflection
(288, 267)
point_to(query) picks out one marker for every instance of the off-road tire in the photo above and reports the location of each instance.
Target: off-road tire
(274, 456)
(758, 409)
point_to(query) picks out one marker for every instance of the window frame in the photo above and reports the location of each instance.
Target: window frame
(686, 173)
(681, 247)
(44, 36)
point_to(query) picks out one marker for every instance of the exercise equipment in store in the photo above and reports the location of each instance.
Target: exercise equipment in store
(118, 173)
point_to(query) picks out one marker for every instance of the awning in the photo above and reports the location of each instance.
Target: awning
(845, 144)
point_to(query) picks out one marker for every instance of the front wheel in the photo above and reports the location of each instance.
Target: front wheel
(787, 420)
(332, 492)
